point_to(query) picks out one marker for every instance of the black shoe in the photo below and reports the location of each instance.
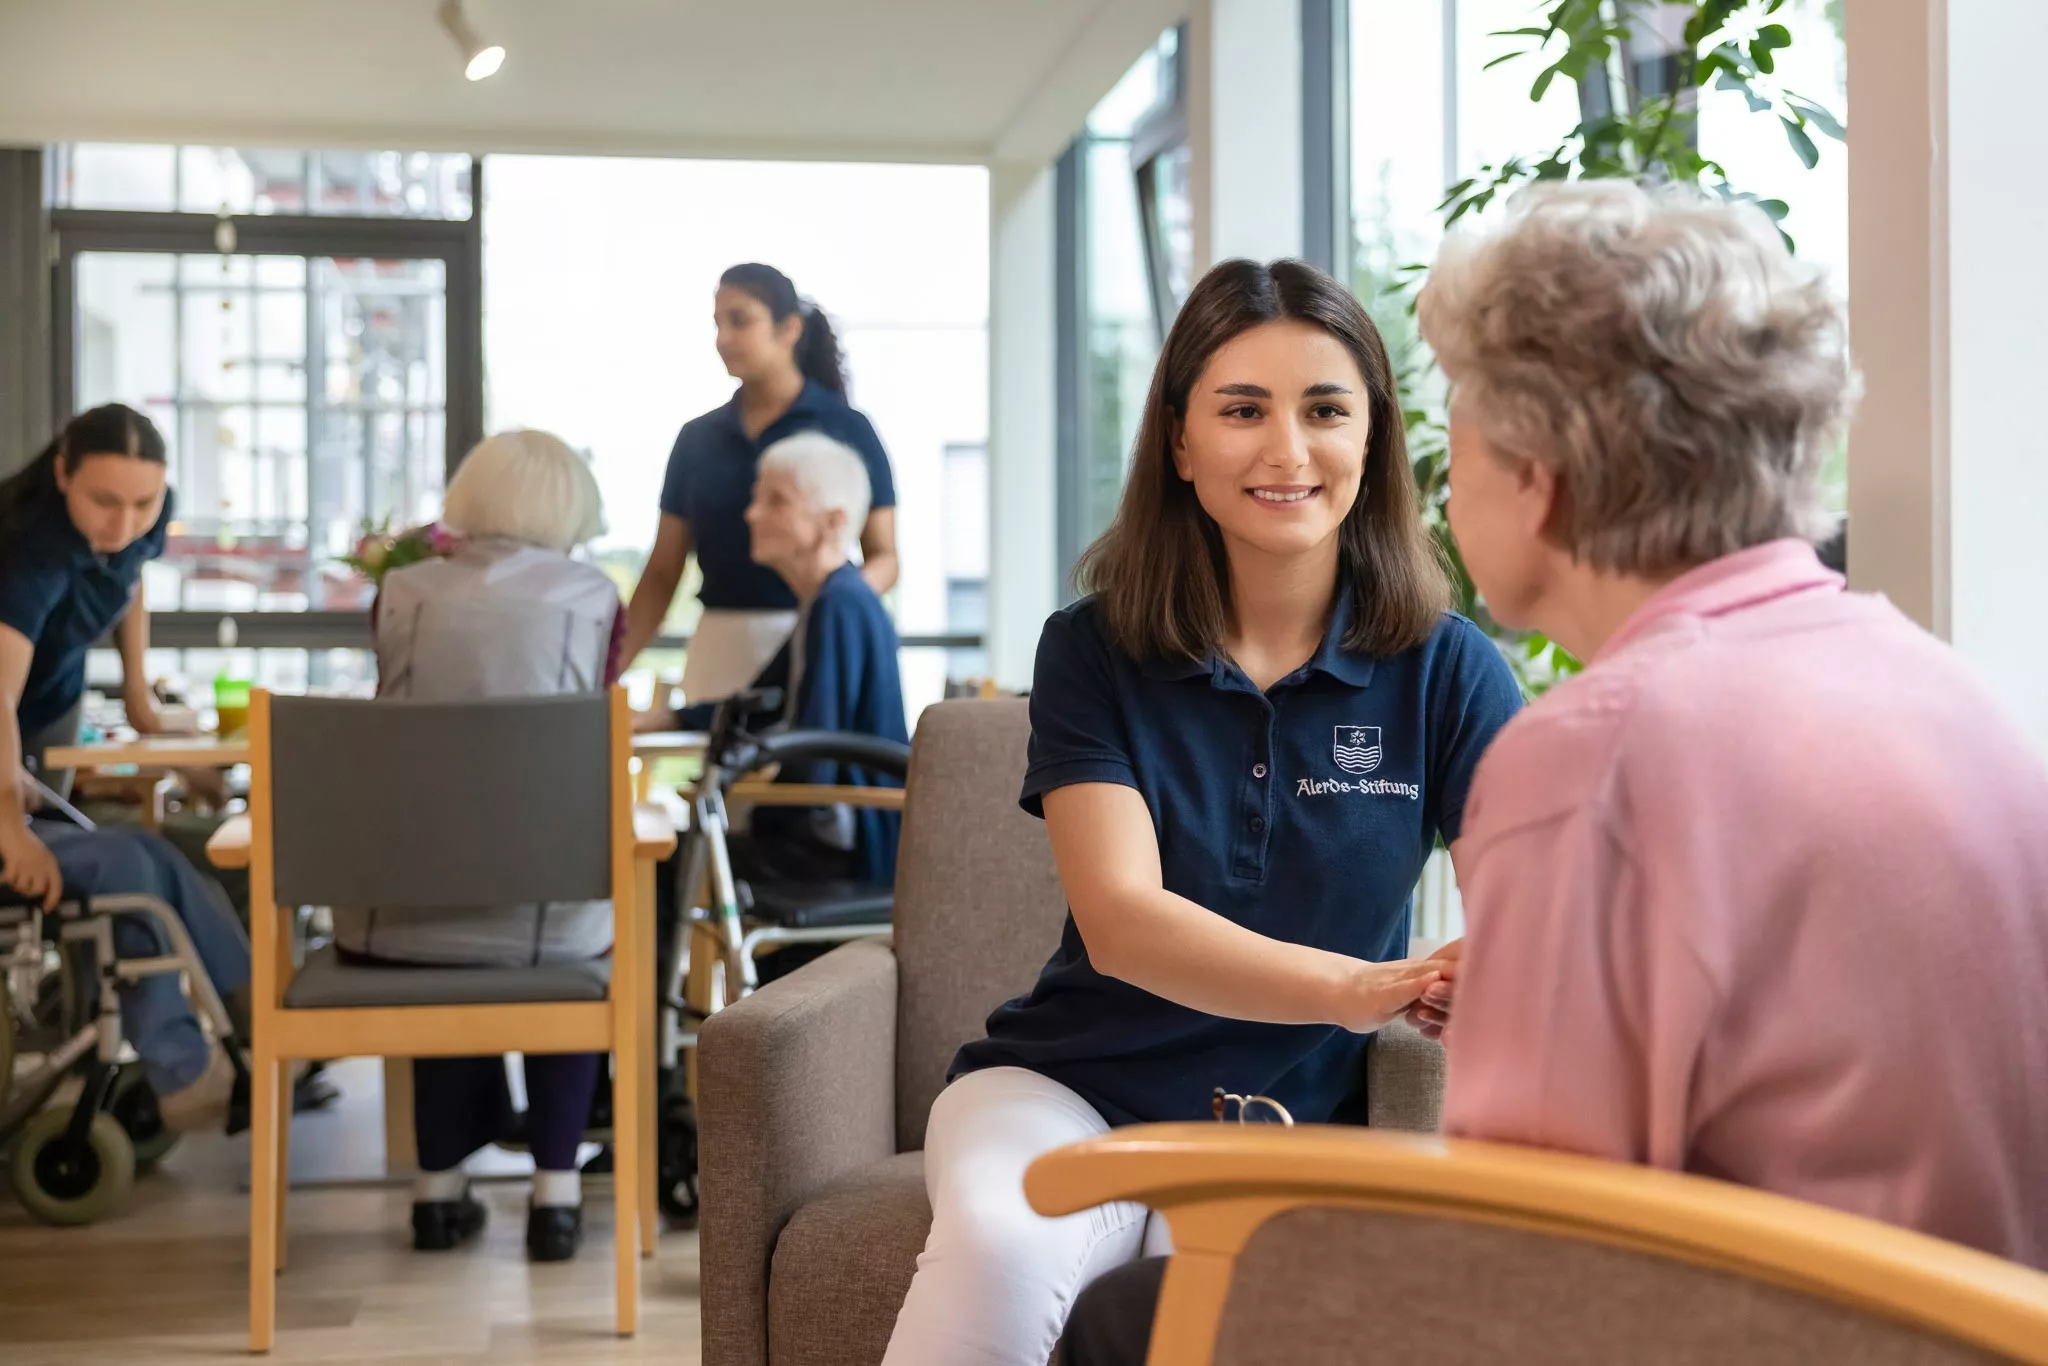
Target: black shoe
(438, 1225)
(553, 1232)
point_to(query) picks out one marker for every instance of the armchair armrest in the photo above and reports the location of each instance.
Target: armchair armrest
(1217, 1184)
(1404, 1080)
(796, 1087)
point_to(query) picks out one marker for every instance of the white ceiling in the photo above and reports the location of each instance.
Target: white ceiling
(916, 80)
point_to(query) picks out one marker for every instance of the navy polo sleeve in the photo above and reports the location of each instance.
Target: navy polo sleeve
(1077, 726)
(860, 434)
(1478, 695)
(29, 592)
(675, 484)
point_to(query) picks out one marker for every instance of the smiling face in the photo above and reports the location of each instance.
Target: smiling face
(1274, 439)
(113, 499)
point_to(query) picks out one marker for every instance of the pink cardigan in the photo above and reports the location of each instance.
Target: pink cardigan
(1763, 895)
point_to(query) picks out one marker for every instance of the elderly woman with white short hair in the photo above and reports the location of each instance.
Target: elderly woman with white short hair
(1763, 894)
(509, 613)
(838, 671)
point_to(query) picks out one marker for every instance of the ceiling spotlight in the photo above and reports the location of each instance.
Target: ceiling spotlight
(481, 59)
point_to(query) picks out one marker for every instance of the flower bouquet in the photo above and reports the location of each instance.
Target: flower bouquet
(381, 550)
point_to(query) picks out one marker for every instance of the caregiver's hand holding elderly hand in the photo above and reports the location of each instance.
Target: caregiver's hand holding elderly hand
(1433, 1011)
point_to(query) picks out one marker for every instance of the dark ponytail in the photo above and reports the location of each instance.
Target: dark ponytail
(817, 350)
(31, 494)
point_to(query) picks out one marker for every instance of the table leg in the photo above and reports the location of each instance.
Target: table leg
(650, 1110)
(401, 1155)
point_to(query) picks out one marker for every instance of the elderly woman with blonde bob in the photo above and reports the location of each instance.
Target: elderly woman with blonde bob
(510, 613)
(1763, 894)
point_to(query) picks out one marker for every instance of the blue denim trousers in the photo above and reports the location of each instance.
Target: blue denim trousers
(155, 1015)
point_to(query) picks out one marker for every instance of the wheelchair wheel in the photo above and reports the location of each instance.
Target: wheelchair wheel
(133, 1105)
(7, 1029)
(62, 1182)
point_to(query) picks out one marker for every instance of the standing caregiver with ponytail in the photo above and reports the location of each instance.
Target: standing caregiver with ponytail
(781, 349)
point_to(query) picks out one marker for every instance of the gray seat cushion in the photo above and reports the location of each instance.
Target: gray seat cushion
(843, 1265)
(325, 982)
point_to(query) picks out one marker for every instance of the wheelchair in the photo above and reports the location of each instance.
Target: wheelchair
(59, 1002)
(739, 917)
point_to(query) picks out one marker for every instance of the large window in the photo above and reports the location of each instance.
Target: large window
(1425, 114)
(302, 328)
(1127, 247)
(299, 396)
(599, 275)
(1428, 110)
(241, 180)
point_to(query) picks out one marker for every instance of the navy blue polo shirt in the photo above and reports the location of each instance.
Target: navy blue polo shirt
(64, 596)
(1304, 813)
(711, 480)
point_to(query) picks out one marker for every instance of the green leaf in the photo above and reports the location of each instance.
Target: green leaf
(1819, 117)
(1542, 84)
(1715, 14)
(1730, 81)
(1768, 39)
(1801, 143)
(1521, 33)
(1774, 209)
(1503, 59)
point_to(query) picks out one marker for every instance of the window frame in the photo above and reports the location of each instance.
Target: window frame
(456, 243)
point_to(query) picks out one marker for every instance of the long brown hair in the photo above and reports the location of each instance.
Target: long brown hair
(1160, 572)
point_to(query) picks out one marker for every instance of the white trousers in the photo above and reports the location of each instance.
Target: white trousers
(996, 1279)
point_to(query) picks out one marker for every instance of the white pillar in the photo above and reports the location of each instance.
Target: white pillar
(1948, 282)
(1023, 578)
(1244, 128)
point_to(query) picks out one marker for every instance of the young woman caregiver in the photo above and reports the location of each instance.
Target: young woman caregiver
(782, 351)
(75, 528)
(1244, 745)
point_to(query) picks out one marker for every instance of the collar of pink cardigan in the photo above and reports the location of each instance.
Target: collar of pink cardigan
(1729, 584)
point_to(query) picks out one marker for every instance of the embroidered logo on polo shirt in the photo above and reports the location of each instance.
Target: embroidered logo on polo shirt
(1357, 749)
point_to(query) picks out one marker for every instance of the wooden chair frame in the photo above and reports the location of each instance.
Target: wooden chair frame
(622, 1024)
(1217, 1184)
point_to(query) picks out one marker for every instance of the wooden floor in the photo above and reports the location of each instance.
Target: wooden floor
(166, 1279)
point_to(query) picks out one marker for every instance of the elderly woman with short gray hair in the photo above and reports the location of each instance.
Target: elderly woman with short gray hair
(1763, 894)
(510, 613)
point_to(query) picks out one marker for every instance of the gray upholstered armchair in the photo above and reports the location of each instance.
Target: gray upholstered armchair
(814, 1090)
